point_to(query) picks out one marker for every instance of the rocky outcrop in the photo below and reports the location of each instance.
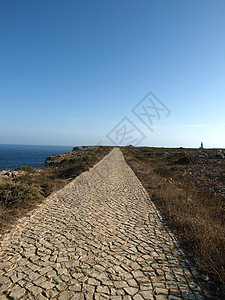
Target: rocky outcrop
(80, 147)
(220, 154)
(54, 160)
(50, 160)
(11, 174)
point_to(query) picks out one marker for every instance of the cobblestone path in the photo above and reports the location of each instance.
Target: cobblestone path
(100, 237)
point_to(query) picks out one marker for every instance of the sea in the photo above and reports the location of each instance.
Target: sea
(14, 156)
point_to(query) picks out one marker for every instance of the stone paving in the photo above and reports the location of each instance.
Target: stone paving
(100, 237)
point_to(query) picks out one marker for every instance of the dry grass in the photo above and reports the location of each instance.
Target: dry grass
(196, 216)
(16, 200)
(21, 195)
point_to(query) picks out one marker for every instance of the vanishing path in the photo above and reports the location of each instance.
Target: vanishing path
(100, 237)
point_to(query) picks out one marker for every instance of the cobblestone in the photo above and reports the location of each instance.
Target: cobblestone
(100, 237)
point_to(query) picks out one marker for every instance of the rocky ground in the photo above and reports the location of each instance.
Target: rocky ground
(204, 168)
(209, 171)
(100, 237)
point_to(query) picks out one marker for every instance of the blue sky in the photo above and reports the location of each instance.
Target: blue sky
(71, 70)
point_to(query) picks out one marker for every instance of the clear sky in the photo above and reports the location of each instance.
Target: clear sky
(71, 70)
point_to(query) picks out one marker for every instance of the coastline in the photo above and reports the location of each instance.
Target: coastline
(14, 156)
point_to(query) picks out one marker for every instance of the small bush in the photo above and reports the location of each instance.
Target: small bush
(185, 160)
(162, 172)
(174, 169)
(26, 178)
(140, 157)
(174, 156)
(73, 171)
(47, 188)
(12, 193)
(46, 184)
(27, 169)
(69, 161)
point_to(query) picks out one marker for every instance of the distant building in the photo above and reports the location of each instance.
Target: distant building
(201, 145)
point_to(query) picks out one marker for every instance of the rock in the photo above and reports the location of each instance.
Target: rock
(50, 160)
(165, 154)
(79, 148)
(220, 154)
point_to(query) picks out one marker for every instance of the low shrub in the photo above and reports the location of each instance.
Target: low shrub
(140, 157)
(12, 193)
(185, 160)
(73, 171)
(27, 169)
(26, 178)
(174, 169)
(69, 161)
(164, 172)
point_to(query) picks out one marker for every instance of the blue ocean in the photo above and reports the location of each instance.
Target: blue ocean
(13, 156)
